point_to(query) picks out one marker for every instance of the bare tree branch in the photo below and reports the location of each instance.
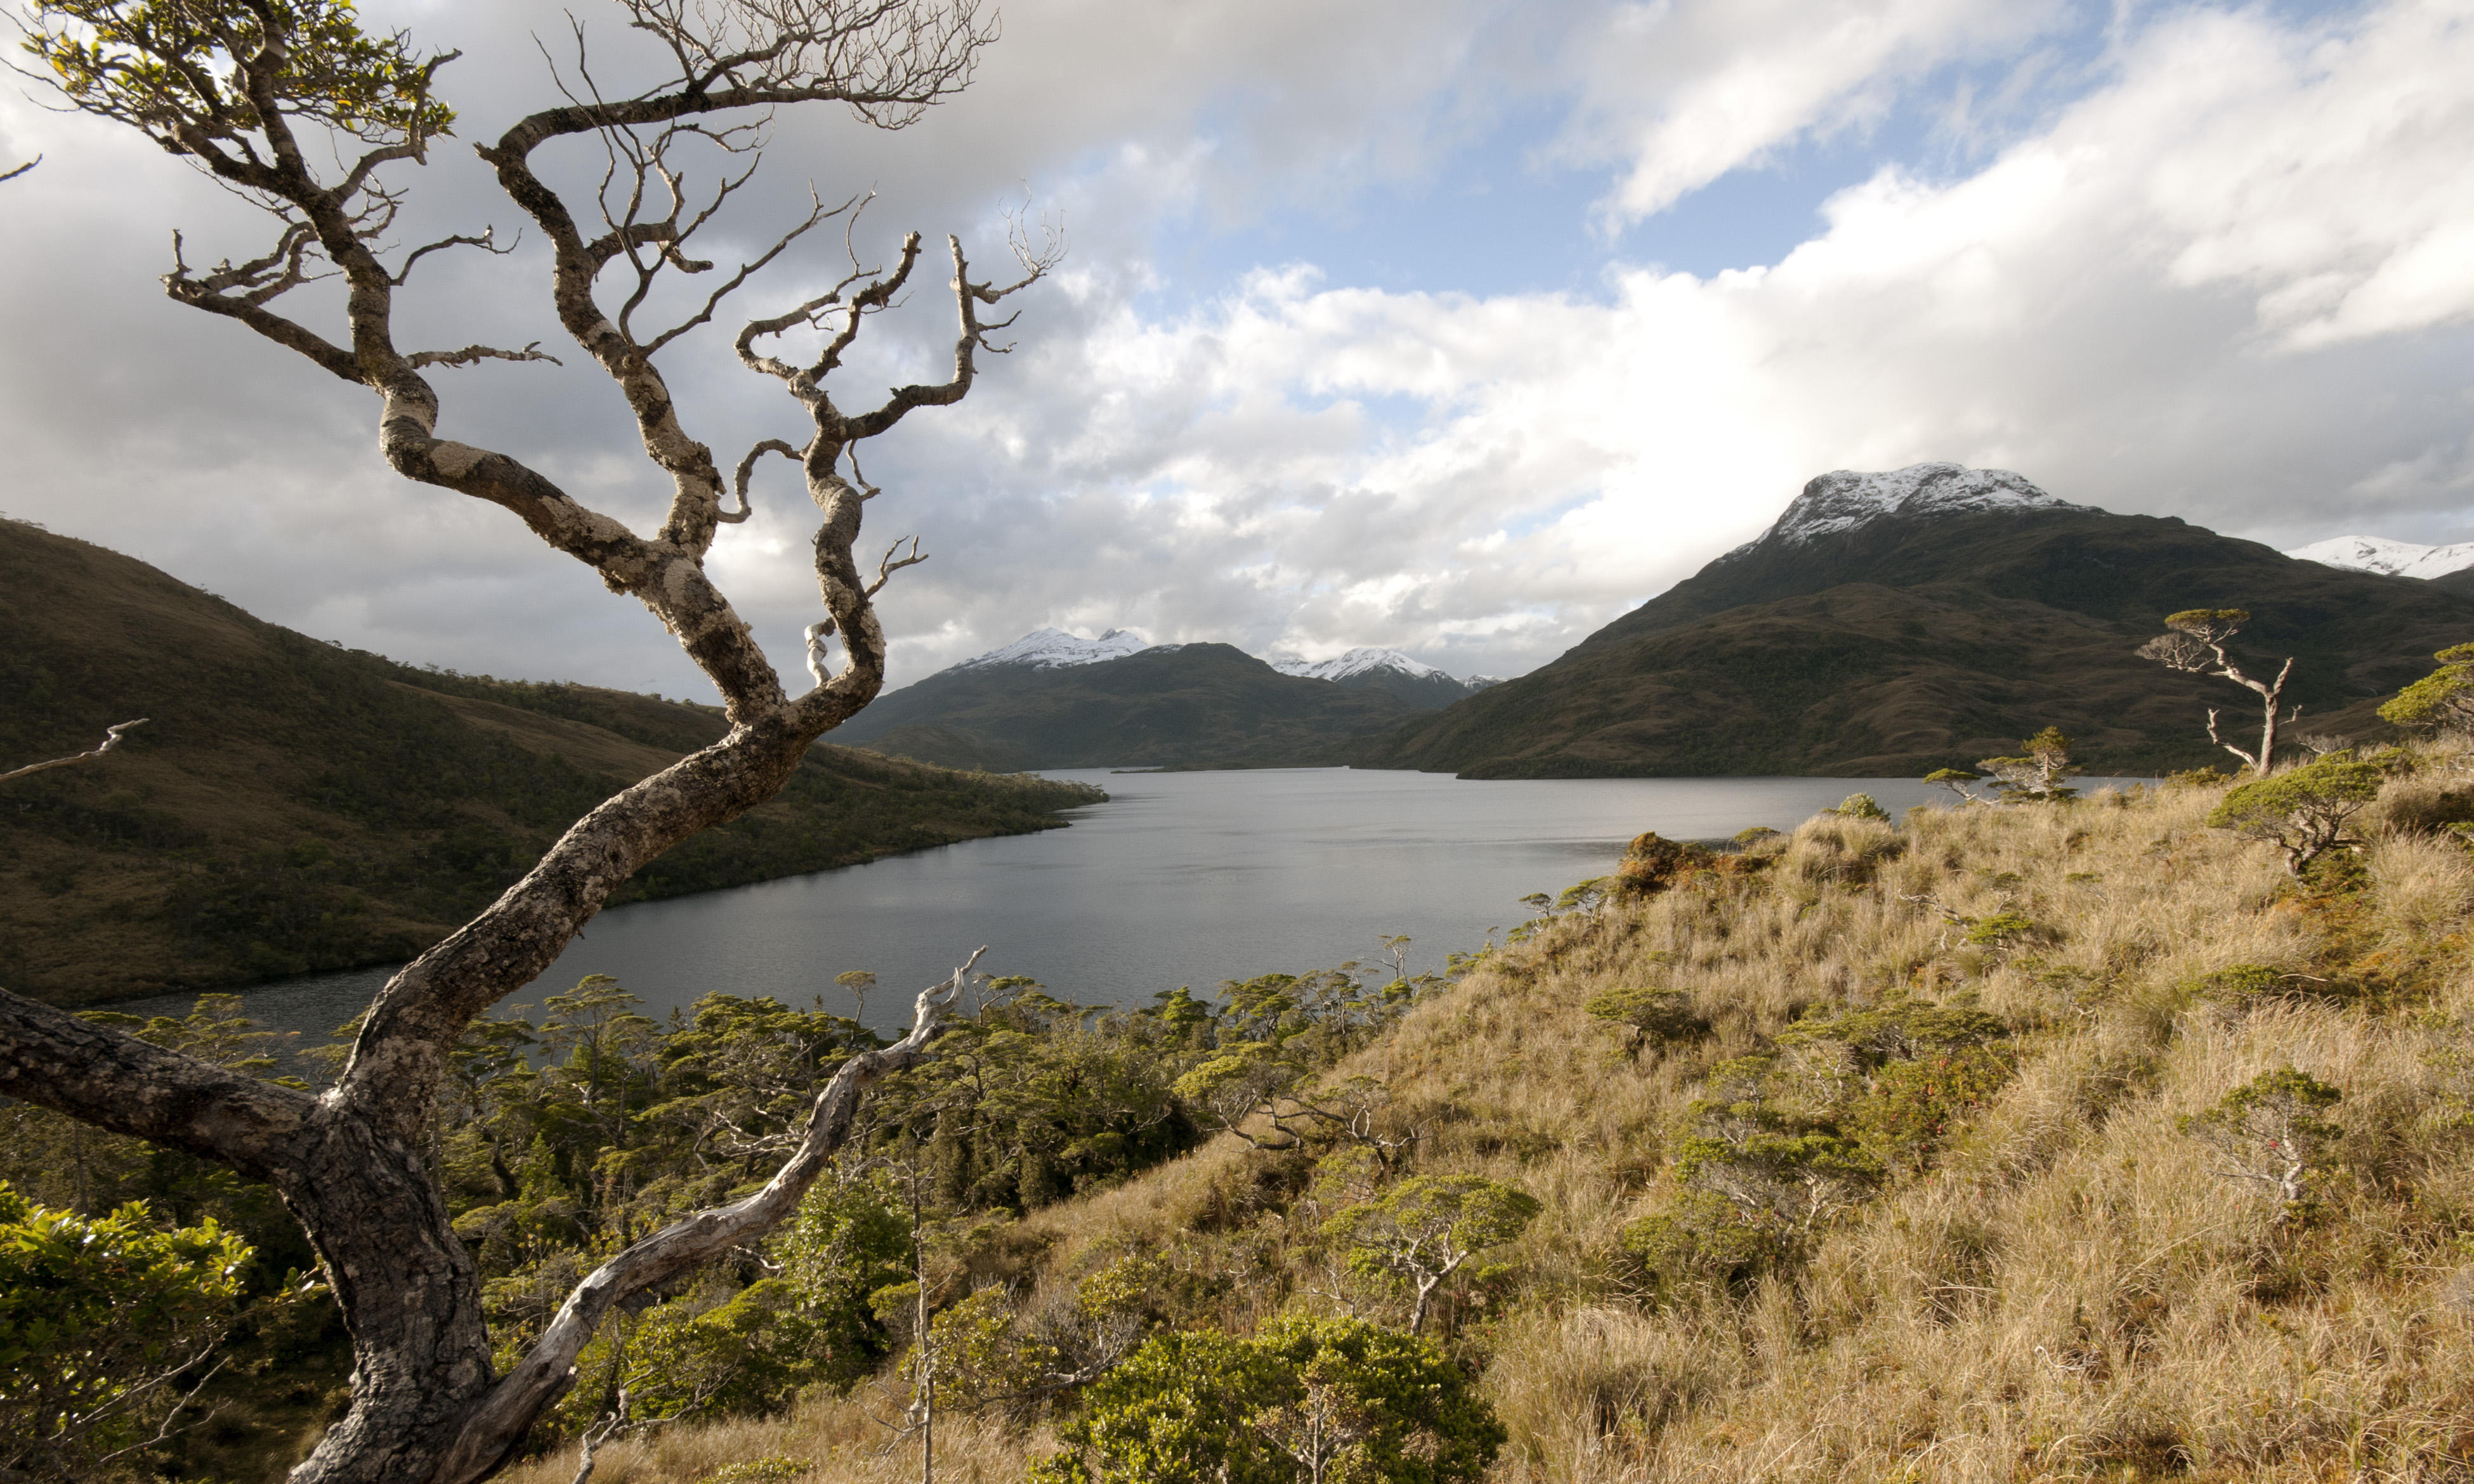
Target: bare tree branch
(501, 1421)
(747, 472)
(110, 740)
(887, 566)
(474, 354)
(22, 169)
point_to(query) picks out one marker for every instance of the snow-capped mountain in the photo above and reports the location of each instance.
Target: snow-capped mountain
(1055, 648)
(1844, 499)
(1355, 663)
(2379, 554)
(1411, 679)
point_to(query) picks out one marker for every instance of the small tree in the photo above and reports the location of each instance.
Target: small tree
(2442, 700)
(292, 106)
(1427, 1229)
(2303, 813)
(2195, 642)
(1956, 779)
(2040, 773)
(2269, 1131)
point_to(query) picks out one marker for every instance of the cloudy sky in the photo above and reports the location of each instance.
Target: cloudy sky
(1454, 326)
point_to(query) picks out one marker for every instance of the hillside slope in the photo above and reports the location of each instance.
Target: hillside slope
(1912, 1176)
(291, 805)
(1173, 706)
(1912, 642)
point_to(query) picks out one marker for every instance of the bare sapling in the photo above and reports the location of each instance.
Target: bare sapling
(291, 106)
(2195, 642)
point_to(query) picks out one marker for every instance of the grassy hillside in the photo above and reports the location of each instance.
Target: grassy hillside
(1910, 1175)
(291, 805)
(1192, 706)
(1908, 645)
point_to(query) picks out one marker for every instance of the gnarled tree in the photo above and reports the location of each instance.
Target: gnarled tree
(262, 94)
(2195, 642)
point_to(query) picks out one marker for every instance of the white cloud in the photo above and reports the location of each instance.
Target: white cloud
(1687, 92)
(2228, 284)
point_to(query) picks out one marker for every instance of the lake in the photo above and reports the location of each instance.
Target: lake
(1180, 878)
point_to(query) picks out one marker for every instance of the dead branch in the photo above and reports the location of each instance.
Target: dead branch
(22, 169)
(747, 472)
(887, 566)
(487, 242)
(503, 1417)
(472, 355)
(110, 740)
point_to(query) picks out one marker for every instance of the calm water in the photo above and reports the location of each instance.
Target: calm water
(1181, 878)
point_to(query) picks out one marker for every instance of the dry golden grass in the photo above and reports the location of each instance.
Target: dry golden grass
(2073, 1292)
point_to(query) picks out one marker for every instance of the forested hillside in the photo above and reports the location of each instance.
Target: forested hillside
(290, 806)
(2044, 1140)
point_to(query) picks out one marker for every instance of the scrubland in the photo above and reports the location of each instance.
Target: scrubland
(2025, 1263)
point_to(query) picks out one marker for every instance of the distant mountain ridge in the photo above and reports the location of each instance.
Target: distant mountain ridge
(1894, 623)
(1165, 706)
(2393, 559)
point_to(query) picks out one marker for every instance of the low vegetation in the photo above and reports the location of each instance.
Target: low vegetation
(2065, 1140)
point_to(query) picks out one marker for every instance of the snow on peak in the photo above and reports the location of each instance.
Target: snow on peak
(1055, 648)
(2379, 554)
(1357, 661)
(1844, 499)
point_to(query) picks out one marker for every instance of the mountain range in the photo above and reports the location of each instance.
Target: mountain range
(1054, 700)
(1894, 623)
(291, 805)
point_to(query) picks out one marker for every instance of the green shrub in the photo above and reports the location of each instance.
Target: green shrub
(1912, 1109)
(1329, 1399)
(95, 1316)
(1999, 929)
(775, 1470)
(2269, 1133)
(1859, 807)
(1659, 1017)
(2303, 812)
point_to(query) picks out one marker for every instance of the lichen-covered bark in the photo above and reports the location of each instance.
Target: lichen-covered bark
(426, 1408)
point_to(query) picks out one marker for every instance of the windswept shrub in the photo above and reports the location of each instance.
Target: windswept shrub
(1656, 1017)
(2269, 1133)
(1433, 1230)
(1859, 807)
(2443, 699)
(1307, 1400)
(2303, 812)
(2041, 772)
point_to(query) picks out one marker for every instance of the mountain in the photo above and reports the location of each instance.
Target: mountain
(2391, 559)
(1419, 684)
(1165, 706)
(1894, 623)
(1055, 648)
(291, 805)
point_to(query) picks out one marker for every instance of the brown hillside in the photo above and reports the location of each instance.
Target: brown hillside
(291, 805)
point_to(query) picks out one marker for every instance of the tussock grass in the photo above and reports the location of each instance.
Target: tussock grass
(2074, 1289)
